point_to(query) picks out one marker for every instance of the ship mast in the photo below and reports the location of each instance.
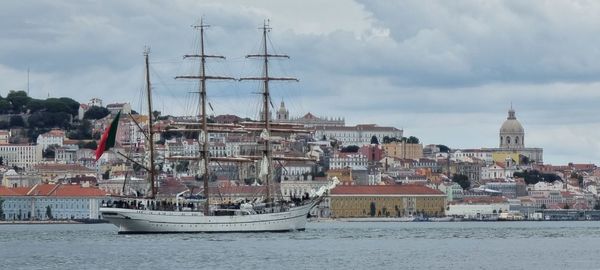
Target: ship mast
(204, 154)
(266, 100)
(150, 126)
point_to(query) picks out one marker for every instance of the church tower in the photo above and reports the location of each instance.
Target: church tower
(512, 134)
(282, 114)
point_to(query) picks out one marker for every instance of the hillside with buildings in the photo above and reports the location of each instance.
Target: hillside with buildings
(49, 169)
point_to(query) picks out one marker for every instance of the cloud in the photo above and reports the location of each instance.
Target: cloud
(445, 71)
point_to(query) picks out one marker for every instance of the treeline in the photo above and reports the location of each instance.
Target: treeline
(18, 102)
(48, 113)
(532, 177)
(38, 116)
(411, 139)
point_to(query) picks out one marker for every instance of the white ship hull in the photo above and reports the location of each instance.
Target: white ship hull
(150, 221)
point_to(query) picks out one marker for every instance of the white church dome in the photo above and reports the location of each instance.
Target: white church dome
(511, 125)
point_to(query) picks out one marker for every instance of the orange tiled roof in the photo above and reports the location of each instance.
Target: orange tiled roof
(59, 190)
(42, 190)
(62, 167)
(77, 191)
(385, 190)
(4, 191)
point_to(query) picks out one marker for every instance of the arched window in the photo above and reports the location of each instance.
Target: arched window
(507, 139)
(501, 140)
(517, 140)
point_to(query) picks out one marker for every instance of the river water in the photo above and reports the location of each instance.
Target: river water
(324, 245)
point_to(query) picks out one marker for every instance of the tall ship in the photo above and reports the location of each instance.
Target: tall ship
(268, 213)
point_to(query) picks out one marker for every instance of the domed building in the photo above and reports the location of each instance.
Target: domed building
(512, 134)
(512, 144)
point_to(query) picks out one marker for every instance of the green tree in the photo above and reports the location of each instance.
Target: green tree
(413, 140)
(5, 106)
(50, 152)
(18, 100)
(35, 105)
(350, 149)
(17, 121)
(374, 140)
(55, 105)
(49, 212)
(462, 180)
(532, 177)
(95, 112)
(91, 145)
(72, 105)
(443, 148)
(4, 125)
(373, 209)
(83, 131)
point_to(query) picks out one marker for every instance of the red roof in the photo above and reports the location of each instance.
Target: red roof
(4, 191)
(385, 190)
(42, 190)
(77, 191)
(59, 190)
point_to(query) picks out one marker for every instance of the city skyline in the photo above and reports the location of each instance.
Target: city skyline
(444, 72)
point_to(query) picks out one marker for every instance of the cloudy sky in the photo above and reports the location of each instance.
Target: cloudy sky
(444, 71)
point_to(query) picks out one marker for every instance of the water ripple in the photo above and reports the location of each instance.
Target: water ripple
(330, 245)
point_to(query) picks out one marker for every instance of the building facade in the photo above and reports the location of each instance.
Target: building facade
(403, 150)
(43, 202)
(386, 201)
(21, 155)
(357, 135)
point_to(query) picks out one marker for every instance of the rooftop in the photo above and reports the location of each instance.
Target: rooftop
(385, 190)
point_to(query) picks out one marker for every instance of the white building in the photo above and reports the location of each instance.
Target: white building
(83, 108)
(469, 155)
(114, 108)
(95, 102)
(116, 185)
(498, 171)
(298, 188)
(21, 155)
(358, 135)
(52, 137)
(44, 201)
(14, 179)
(355, 161)
(296, 171)
(478, 210)
(4, 136)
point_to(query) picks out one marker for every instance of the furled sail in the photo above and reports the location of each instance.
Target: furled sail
(264, 166)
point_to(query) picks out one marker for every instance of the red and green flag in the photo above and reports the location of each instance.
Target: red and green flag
(108, 137)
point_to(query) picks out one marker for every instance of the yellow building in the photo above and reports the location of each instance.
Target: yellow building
(502, 156)
(386, 200)
(403, 150)
(343, 175)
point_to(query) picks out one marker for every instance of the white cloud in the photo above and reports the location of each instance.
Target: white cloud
(446, 71)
